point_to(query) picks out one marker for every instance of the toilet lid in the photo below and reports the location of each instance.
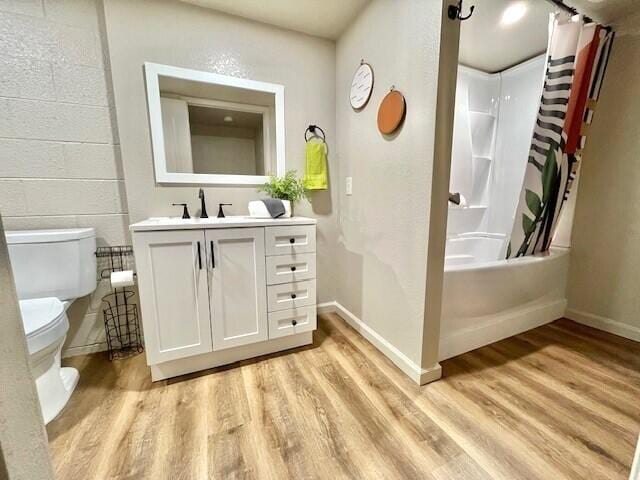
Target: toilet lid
(39, 313)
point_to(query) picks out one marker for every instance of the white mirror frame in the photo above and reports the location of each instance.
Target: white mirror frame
(152, 73)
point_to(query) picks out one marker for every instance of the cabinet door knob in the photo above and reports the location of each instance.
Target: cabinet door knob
(293, 269)
(294, 322)
(292, 240)
(293, 295)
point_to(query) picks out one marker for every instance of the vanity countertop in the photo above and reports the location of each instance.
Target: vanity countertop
(177, 223)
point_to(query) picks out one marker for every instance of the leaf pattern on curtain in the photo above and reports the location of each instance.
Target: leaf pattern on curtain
(576, 62)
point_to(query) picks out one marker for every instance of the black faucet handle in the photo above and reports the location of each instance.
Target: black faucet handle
(220, 209)
(185, 209)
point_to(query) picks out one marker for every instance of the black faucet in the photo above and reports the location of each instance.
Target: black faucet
(220, 210)
(203, 208)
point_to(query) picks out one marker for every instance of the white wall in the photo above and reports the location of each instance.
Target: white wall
(605, 258)
(384, 225)
(230, 155)
(203, 39)
(24, 453)
(59, 155)
(228, 150)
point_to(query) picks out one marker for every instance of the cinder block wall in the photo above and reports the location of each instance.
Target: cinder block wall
(60, 161)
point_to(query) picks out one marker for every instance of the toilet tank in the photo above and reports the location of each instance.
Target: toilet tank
(53, 263)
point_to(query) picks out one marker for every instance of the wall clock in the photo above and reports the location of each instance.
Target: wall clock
(361, 86)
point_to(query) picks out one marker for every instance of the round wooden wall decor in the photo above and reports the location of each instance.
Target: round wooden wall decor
(361, 86)
(391, 112)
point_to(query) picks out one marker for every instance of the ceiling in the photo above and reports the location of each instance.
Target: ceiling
(215, 117)
(322, 18)
(622, 15)
(488, 45)
(484, 44)
(608, 12)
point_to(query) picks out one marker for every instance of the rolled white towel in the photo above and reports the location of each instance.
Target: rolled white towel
(257, 209)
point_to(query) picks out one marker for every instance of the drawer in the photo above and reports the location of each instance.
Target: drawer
(289, 240)
(291, 295)
(291, 268)
(290, 322)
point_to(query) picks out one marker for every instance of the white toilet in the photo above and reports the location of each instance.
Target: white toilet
(51, 269)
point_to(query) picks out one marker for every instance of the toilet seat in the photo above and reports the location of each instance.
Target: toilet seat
(45, 322)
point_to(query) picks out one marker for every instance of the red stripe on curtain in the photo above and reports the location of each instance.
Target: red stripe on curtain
(580, 90)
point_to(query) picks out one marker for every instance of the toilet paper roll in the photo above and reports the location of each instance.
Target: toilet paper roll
(122, 279)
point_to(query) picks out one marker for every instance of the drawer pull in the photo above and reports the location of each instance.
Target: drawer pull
(292, 322)
(293, 295)
(292, 240)
(293, 268)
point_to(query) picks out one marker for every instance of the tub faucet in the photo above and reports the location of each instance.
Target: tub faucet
(203, 207)
(454, 198)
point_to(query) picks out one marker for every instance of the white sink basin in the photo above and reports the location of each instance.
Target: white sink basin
(197, 221)
(178, 223)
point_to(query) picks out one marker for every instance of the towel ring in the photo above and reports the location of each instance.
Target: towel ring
(313, 130)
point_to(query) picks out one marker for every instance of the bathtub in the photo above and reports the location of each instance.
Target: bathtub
(486, 299)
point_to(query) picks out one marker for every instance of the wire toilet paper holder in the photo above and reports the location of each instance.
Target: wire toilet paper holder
(121, 319)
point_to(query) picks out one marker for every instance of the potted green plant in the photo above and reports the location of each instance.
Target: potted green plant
(288, 188)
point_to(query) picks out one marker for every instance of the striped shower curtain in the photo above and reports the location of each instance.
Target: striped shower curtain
(577, 59)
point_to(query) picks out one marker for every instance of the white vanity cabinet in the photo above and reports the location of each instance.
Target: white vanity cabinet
(216, 291)
(174, 293)
(237, 286)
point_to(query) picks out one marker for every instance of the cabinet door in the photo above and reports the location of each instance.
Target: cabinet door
(172, 281)
(237, 286)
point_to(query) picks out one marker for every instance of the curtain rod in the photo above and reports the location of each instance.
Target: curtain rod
(567, 8)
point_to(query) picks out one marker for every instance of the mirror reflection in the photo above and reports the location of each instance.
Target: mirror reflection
(212, 128)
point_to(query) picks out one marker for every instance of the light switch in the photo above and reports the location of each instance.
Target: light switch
(348, 184)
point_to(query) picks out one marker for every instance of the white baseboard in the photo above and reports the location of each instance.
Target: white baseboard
(84, 350)
(498, 327)
(419, 375)
(635, 467)
(603, 323)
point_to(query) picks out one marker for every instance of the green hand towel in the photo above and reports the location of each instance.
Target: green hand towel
(315, 175)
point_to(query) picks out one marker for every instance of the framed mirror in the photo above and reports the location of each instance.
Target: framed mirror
(214, 129)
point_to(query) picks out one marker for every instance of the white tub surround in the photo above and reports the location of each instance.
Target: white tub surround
(216, 291)
(473, 248)
(486, 298)
(486, 301)
(494, 119)
(475, 122)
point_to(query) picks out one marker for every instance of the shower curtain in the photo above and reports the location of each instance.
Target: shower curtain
(576, 62)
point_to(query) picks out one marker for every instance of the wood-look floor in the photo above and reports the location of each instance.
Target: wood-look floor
(561, 401)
